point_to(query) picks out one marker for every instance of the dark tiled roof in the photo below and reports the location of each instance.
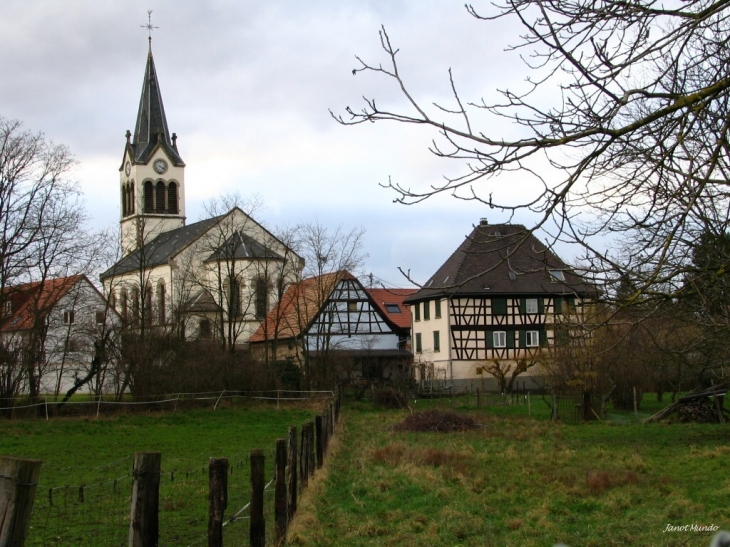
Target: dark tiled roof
(240, 245)
(151, 128)
(202, 302)
(502, 259)
(381, 297)
(162, 248)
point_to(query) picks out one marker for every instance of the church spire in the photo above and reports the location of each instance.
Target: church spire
(151, 127)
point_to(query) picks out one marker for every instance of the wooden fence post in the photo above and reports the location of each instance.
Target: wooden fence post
(320, 446)
(292, 478)
(280, 503)
(217, 499)
(310, 448)
(303, 455)
(332, 419)
(18, 480)
(144, 525)
(257, 535)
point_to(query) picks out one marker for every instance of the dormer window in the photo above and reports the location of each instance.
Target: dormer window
(392, 308)
(556, 275)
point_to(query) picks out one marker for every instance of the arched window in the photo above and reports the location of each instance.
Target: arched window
(131, 198)
(112, 300)
(172, 198)
(160, 197)
(262, 298)
(135, 305)
(161, 301)
(124, 200)
(125, 303)
(233, 292)
(149, 200)
(148, 305)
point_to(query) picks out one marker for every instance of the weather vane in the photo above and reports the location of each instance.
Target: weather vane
(149, 26)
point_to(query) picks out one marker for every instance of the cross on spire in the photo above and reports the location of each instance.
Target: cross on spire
(149, 27)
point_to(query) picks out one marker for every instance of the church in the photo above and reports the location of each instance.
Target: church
(215, 278)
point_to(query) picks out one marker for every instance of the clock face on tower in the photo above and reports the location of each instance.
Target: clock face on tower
(160, 166)
(128, 168)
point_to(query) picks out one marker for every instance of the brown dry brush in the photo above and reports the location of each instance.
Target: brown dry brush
(439, 421)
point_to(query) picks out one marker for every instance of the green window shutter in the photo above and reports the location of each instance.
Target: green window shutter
(437, 304)
(523, 306)
(540, 305)
(426, 310)
(490, 339)
(436, 341)
(499, 306)
(543, 338)
(557, 305)
(523, 339)
(510, 339)
(571, 303)
(419, 347)
(417, 310)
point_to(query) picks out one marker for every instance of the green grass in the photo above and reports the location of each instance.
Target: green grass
(93, 453)
(519, 481)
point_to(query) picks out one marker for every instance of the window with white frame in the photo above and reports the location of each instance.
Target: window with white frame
(500, 339)
(531, 305)
(532, 339)
(68, 317)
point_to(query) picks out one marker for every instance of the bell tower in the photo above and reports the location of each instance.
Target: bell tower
(152, 174)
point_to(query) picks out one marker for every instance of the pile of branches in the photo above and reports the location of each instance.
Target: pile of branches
(439, 421)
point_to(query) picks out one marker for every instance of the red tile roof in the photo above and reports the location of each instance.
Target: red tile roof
(298, 307)
(394, 296)
(32, 300)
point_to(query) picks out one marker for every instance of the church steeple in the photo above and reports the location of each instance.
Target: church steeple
(152, 174)
(151, 127)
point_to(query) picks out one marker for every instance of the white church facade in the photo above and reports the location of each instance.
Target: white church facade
(216, 278)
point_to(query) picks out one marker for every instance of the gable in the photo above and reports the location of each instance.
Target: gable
(331, 304)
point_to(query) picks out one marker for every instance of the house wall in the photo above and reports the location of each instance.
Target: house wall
(70, 345)
(467, 340)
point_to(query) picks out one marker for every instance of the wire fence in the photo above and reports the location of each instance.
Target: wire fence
(97, 514)
(89, 404)
(90, 505)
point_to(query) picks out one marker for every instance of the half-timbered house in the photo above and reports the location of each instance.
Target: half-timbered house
(333, 322)
(496, 301)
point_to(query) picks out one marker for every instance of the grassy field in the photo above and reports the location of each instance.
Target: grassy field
(519, 480)
(84, 489)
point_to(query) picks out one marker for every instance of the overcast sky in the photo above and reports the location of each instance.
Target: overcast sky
(247, 86)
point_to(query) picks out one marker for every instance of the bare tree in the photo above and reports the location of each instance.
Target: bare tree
(325, 252)
(42, 237)
(244, 267)
(636, 142)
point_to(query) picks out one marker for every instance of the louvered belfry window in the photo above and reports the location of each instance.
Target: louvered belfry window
(160, 197)
(149, 199)
(172, 199)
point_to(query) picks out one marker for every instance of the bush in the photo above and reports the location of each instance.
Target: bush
(390, 398)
